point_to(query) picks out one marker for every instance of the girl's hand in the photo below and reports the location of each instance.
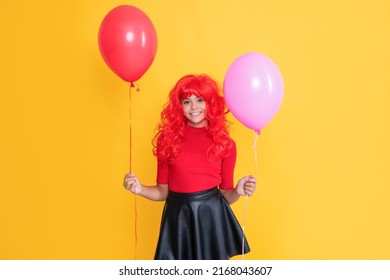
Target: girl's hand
(246, 185)
(132, 184)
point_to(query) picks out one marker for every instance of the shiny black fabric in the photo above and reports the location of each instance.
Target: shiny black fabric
(199, 226)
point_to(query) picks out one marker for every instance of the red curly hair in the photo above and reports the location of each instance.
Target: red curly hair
(171, 129)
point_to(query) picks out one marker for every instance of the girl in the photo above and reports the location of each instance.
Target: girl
(196, 159)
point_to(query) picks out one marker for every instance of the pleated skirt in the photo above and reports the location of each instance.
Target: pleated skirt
(199, 226)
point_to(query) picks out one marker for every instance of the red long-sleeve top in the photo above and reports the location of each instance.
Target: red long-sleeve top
(191, 171)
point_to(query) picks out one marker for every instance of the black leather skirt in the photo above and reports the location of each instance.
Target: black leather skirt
(199, 226)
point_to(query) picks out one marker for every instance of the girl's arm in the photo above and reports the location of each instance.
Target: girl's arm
(156, 193)
(245, 186)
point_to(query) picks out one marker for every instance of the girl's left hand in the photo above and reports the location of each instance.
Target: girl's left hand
(246, 185)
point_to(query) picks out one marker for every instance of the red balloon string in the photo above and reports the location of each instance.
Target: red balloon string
(135, 227)
(131, 169)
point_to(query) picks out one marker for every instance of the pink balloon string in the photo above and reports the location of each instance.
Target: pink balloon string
(243, 228)
(255, 140)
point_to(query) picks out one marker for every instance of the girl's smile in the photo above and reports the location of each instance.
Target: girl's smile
(194, 109)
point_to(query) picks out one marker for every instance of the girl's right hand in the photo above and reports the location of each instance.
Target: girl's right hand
(132, 184)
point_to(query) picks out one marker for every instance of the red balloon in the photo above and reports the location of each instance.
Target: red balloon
(127, 42)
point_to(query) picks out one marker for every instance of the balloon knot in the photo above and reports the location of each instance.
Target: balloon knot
(135, 85)
(258, 131)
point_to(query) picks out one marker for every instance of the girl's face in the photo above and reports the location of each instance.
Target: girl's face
(194, 109)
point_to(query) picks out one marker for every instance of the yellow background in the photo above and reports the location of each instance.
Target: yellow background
(324, 159)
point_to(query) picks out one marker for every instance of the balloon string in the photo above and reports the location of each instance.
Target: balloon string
(255, 140)
(243, 228)
(256, 137)
(131, 169)
(135, 227)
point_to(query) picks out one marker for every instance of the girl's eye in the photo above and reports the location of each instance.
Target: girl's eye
(184, 102)
(200, 100)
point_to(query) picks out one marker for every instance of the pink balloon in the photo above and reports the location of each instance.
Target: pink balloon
(253, 89)
(127, 42)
